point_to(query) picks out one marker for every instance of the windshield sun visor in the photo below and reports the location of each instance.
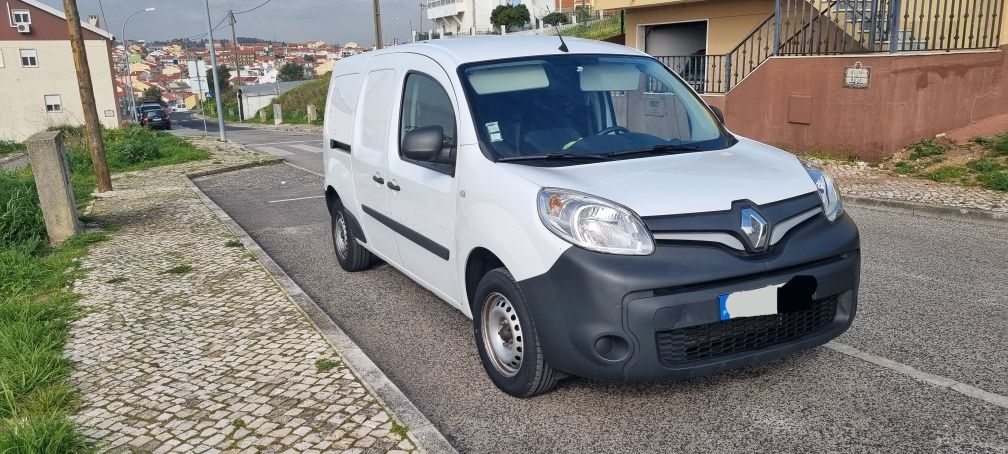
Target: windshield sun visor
(609, 77)
(508, 78)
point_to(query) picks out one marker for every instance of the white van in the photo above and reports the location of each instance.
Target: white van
(585, 208)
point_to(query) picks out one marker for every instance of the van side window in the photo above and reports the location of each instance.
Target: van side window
(425, 103)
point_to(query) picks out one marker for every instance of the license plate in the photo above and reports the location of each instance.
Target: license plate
(749, 303)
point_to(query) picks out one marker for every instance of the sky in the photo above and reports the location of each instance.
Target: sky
(333, 21)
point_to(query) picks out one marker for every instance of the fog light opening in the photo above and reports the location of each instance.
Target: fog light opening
(612, 348)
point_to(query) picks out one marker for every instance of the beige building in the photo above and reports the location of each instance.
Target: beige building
(38, 81)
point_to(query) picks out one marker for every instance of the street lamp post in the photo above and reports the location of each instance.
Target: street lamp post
(129, 74)
(216, 84)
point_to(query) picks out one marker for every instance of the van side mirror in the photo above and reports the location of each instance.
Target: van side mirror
(717, 113)
(423, 143)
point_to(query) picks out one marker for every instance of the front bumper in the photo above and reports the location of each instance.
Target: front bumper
(632, 318)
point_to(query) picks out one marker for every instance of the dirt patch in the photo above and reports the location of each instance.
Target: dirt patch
(981, 161)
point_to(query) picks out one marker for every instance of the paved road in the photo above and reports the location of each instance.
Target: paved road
(298, 148)
(933, 305)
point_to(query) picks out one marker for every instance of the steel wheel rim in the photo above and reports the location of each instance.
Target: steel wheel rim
(502, 335)
(340, 236)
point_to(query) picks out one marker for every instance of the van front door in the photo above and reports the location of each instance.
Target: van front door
(422, 199)
(373, 129)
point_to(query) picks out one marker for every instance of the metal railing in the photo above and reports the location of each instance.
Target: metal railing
(831, 27)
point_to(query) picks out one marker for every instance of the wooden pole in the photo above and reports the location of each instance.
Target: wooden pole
(377, 24)
(87, 97)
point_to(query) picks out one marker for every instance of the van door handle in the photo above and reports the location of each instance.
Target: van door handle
(378, 179)
(393, 186)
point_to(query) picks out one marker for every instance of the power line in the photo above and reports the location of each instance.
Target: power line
(101, 8)
(216, 27)
(253, 9)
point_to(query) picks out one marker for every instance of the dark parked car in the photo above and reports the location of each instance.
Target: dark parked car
(156, 119)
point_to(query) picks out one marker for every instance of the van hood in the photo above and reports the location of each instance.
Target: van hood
(684, 183)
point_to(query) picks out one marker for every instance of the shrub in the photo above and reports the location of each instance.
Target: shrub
(926, 148)
(555, 18)
(946, 173)
(904, 167)
(997, 181)
(137, 145)
(983, 165)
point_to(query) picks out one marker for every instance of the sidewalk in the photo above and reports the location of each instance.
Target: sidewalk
(862, 181)
(188, 345)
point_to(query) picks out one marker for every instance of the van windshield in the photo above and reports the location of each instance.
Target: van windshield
(586, 108)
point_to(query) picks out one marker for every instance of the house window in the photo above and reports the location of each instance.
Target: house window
(21, 16)
(29, 58)
(53, 103)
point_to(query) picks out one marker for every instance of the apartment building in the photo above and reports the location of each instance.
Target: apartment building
(38, 80)
(467, 17)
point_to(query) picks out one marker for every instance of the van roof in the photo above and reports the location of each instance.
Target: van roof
(462, 50)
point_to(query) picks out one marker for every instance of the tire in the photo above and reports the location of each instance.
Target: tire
(350, 254)
(510, 351)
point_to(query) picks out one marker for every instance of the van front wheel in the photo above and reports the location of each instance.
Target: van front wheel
(350, 254)
(506, 338)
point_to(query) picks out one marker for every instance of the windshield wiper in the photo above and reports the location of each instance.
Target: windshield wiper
(593, 157)
(665, 149)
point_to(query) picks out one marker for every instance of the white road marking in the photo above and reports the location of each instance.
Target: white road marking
(274, 151)
(297, 198)
(303, 169)
(310, 148)
(937, 380)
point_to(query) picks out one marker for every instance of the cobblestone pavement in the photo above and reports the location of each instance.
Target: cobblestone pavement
(188, 345)
(863, 181)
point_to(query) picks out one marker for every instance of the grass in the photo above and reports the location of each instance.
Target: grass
(233, 243)
(294, 104)
(945, 174)
(10, 147)
(323, 365)
(36, 304)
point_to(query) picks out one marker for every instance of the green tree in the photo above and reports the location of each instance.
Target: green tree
(152, 94)
(225, 75)
(555, 18)
(309, 58)
(510, 16)
(291, 71)
(583, 13)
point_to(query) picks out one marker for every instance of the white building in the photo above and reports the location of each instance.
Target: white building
(457, 16)
(38, 79)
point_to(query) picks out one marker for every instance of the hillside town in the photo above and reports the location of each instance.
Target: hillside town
(178, 69)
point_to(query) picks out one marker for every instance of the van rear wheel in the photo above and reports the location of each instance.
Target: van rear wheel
(350, 254)
(506, 338)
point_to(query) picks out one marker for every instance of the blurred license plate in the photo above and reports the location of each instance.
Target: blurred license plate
(749, 303)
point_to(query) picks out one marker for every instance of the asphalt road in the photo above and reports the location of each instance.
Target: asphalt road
(298, 148)
(933, 298)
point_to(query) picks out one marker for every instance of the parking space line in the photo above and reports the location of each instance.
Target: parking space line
(937, 380)
(253, 144)
(303, 169)
(297, 198)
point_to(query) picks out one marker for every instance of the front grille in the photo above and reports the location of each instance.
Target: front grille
(703, 342)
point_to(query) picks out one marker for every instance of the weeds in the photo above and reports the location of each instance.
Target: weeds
(925, 148)
(946, 173)
(10, 147)
(399, 429)
(323, 365)
(997, 181)
(233, 243)
(179, 270)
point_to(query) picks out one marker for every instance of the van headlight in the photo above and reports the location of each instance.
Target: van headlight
(831, 203)
(593, 223)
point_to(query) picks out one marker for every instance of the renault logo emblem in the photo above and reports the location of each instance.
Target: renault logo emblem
(754, 226)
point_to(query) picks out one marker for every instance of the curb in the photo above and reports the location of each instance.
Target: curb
(14, 161)
(249, 165)
(970, 214)
(420, 429)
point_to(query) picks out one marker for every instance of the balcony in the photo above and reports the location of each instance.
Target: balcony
(437, 9)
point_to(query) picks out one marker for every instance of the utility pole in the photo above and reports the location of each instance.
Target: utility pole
(377, 25)
(87, 97)
(216, 77)
(238, 81)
